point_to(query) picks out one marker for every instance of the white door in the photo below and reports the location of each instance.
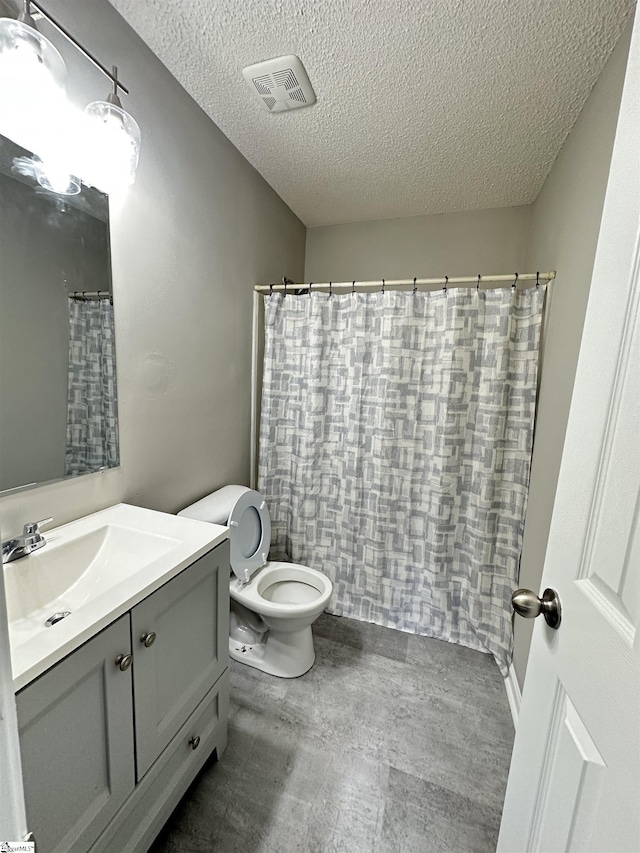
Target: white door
(574, 782)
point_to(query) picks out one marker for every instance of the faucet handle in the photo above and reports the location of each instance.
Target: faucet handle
(32, 528)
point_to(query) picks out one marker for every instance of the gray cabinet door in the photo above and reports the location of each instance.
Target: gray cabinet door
(190, 618)
(76, 740)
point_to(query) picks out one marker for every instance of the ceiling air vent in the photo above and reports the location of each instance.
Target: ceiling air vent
(281, 84)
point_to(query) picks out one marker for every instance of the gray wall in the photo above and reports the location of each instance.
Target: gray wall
(480, 241)
(189, 239)
(564, 232)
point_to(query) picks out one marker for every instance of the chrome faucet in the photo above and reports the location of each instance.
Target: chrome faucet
(30, 540)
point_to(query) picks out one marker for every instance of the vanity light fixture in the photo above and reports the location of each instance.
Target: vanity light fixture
(114, 138)
(32, 79)
(34, 111)
(26, 52)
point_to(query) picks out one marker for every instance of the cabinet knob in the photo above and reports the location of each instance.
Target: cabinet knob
(123, 662)
(148, 638)
(194, 743)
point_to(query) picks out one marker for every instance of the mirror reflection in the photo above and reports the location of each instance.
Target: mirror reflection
(58, 396)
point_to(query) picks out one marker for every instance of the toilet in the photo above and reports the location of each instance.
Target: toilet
(273, 604)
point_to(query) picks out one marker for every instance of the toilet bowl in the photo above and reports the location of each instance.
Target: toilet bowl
(273, 604)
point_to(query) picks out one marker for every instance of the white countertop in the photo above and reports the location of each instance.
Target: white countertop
(128, 553)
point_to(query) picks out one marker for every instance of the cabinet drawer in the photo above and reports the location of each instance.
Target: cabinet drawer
(140, 820)
(76, 740)
(189, 616)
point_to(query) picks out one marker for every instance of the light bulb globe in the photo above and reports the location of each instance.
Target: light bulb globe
(27, 57)
(32, 84)
(114, 139)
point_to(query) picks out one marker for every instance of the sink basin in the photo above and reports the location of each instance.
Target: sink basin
(95, 569)
(64, 575)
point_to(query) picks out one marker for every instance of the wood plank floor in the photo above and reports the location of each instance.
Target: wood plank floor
(392, 743)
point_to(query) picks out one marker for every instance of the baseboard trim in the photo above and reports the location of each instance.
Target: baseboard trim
(513, 694)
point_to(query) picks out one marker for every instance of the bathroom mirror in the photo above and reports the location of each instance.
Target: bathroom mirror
(58, 399)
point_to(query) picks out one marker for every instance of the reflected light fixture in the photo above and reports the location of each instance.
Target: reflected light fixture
(103, 146)
(56, 180)
(54, 176)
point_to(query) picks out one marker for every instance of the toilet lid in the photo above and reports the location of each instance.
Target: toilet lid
(250, 534)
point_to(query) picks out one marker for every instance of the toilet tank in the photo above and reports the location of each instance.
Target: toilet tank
(216, 507)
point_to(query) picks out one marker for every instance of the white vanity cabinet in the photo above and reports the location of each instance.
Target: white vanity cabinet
(76, 740)
(108, 746)
(180, 646)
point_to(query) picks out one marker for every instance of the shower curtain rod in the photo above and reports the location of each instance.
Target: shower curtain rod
(89, 294)
(442, 281)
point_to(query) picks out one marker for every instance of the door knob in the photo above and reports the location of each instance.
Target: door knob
(526, 603)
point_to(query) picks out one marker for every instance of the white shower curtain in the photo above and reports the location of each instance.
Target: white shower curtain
(92, 406)
(395, 447)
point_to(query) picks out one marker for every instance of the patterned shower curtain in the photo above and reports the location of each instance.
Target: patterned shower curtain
(395, 447)
(92, 409)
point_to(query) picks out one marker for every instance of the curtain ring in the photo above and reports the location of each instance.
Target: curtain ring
(478, 284)
(271, 291)
(537, 280)
(284, 282)
(515, 282)
(446, 284)
(330, 289)
(353, 287)
(383, 285)
(415, 286)
(310, 286)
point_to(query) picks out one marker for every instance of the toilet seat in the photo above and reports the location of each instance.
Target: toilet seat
(261, 593)
(249, 544)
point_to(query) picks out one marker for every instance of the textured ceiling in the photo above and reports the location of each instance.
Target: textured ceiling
(423, 107)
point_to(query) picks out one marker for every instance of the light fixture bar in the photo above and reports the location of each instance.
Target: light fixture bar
(65, 32)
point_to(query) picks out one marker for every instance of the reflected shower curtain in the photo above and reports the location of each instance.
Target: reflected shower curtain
(92, 410)
(395, 447)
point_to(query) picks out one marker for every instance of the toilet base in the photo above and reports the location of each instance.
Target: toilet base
(287, 655)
